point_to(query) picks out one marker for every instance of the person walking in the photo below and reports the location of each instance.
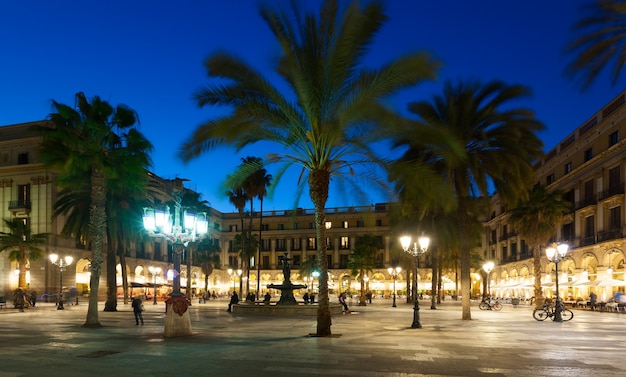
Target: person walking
(137, 309)
(342, 301)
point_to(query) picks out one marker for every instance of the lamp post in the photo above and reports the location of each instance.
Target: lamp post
(556, 253)
(62, 263)
(230, 275)
(488, 267)
(181, 229)
(416, 251)
(394, 273)
(239, 272)
(154, 271)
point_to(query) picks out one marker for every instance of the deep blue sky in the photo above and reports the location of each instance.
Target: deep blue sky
(149, 55)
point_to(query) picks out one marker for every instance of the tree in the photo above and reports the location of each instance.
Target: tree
(327, 119)
(207, 256)
(600, 41)
(23, 246)
(499, 147)
(536, 220)
(363, 260)
(98, 141)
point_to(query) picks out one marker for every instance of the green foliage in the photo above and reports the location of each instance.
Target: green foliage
(23, 246)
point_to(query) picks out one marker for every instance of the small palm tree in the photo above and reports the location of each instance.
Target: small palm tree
(363, 260)
(328, 117)
(207, 256)
(23, 246)
(536, 220)
(601, 40)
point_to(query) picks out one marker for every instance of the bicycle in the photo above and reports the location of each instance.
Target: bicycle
(548, 311)
(488, 304)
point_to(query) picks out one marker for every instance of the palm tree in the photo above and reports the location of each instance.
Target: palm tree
(327, 120)
(536, 220)
(363, 260)
(499, 147)
(207, 256)
(22, 244)
(94, 140)
(600, 41)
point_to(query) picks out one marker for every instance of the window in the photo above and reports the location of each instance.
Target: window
(345, 242)
(360, 224)
(613, 138)
(588, 154)
(232, 228)
(589, 226)
(329, 258)
(615, 218)
(550, 179)
(23, 195)
(296, 244)
(266, 262)
(296, 226)
(589, 192)
(231, 246)
(157, 251)
(567, 168)
(614, 180)
(22, 158)
(311, 244)
(296, 260)
(266, 245)
(265, 227)
(567, 233)
(329, 243)
(311, 225)
(281, 226)
(343, 261)
(280, 244)
(233, 261)
(344, 224)
(379, 222)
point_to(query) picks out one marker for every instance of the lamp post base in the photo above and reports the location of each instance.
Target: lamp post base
(417, 324)
(177, 319)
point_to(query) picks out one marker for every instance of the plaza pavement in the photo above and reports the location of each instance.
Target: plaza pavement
(373, 341)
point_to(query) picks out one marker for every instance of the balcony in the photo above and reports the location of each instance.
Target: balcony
(611, 234)
(19, 206)
(612, 191)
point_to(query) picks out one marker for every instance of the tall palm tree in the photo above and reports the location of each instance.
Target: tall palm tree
(327, 119)
(94, 140)
(600, 41)
(363, 260)
(23, 246)
(536, 219)
(207, 256)
(499, 147)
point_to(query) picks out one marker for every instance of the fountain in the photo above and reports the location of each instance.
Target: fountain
(286, 288)
(287, 305)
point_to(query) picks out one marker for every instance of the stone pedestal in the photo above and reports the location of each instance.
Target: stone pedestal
(177, 319)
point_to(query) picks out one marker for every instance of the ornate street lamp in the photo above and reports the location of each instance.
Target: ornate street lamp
(556, 253)
(62, 263)
(394, 271)
(488, 267)
(416, 251)
(181, 229)
(154, 271)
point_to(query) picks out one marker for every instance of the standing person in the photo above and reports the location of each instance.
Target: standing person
(33, 298)
(137, 309)
(18, 299)
(342, 301)
(593, 300)
(306, 297)
(234, 299)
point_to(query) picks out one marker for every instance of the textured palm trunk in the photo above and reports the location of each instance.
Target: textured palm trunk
(110, 305)
(319, 181)
(97, 228)
(537, 272)
(124, 276)
(362, 301)
(258, 259)
(465, 260)
(21, 279)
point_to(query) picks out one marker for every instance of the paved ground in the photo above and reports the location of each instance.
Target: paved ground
(373, 341)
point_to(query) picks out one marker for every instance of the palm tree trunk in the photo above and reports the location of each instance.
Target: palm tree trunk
(433, 280)
(124, 276)
(258, 259)
(319, 181)
(537, 272)
(21, 279)
(465, 259)
(110, 304)
(97, 227)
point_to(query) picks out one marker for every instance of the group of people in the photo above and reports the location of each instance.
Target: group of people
(23, 298)
(309, 298)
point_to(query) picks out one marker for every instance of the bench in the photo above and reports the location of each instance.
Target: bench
(3, 302)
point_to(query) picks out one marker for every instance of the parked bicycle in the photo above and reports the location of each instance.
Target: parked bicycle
(548, 311)
(489, 304)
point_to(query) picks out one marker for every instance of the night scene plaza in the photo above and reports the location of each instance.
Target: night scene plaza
(375, 340)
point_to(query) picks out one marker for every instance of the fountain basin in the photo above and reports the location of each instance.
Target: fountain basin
(283, 310)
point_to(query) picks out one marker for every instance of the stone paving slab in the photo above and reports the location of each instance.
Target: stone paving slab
(373, 341)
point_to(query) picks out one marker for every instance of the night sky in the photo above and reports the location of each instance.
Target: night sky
(149, 55)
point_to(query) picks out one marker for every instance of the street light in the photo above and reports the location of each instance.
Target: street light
(181, 229)
(416, 251)
(394, 273)
(62, 263)
(488, 267)
(154, 271)
(230, 275)
(556, 253)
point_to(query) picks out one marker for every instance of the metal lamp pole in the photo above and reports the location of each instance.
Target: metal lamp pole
(394, 273)
(556, 253)
(488, 267)
(62, 263)
(416, 251)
